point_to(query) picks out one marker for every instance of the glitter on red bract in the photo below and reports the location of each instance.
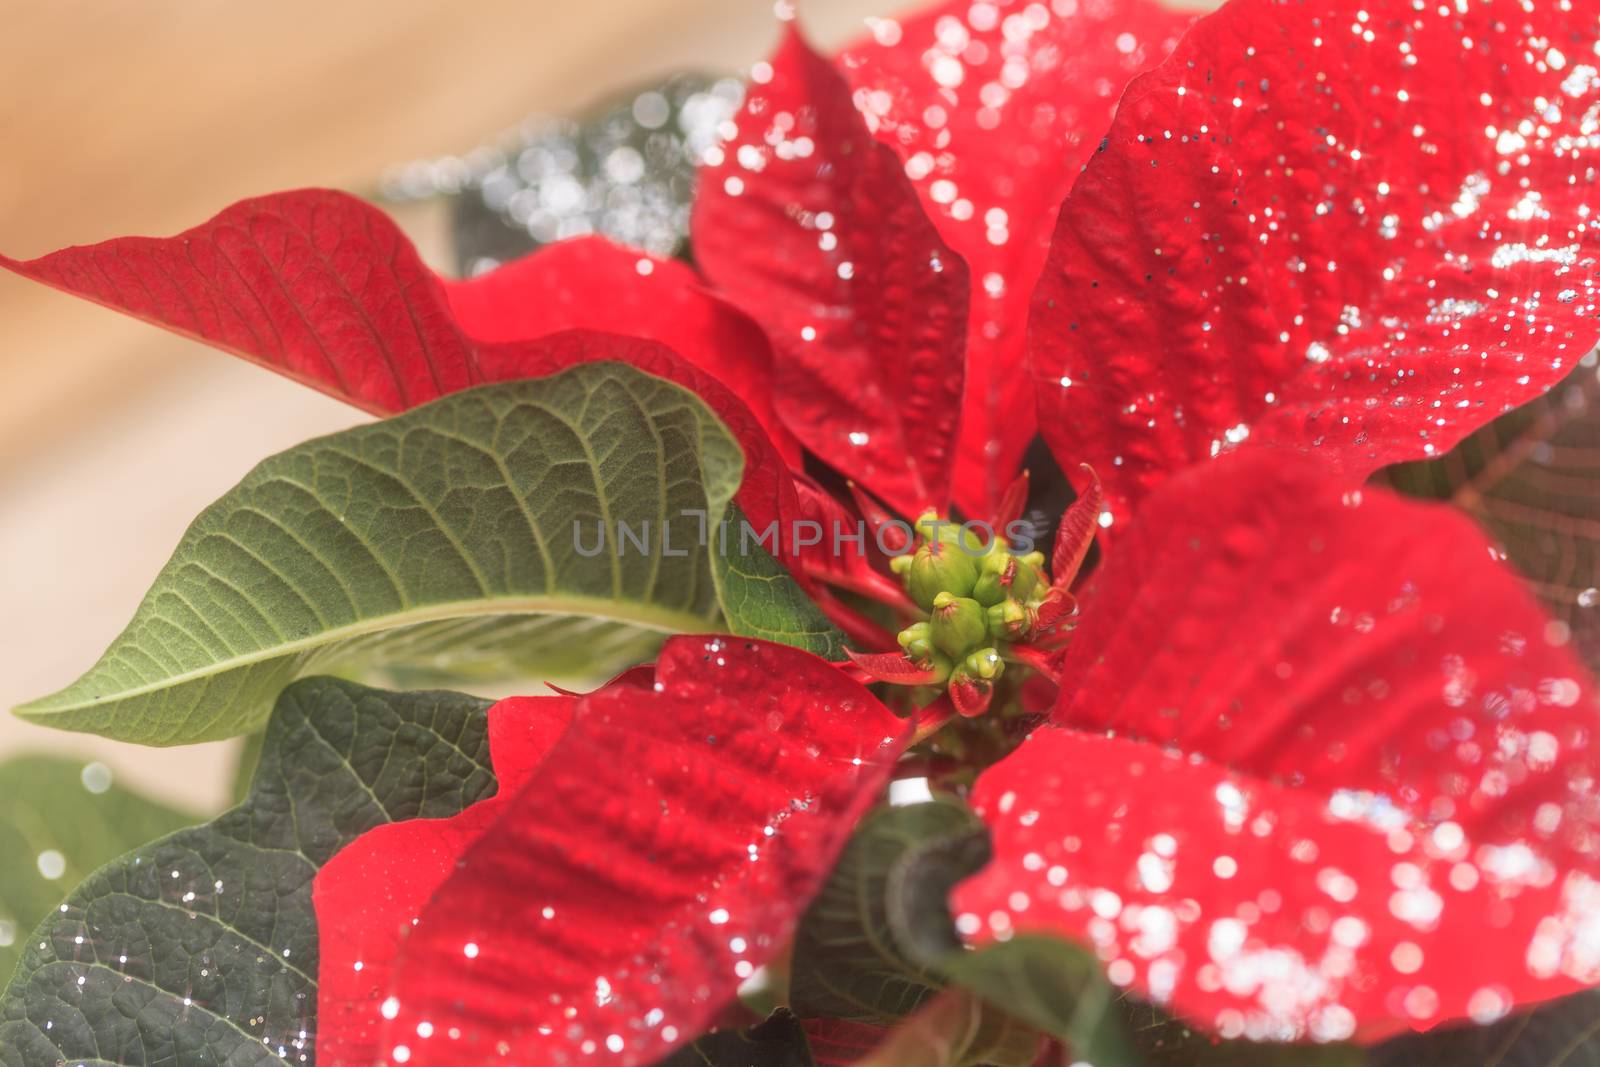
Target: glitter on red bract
(1319, 769)
(1353, 229)
(994, 109)
(662, 849)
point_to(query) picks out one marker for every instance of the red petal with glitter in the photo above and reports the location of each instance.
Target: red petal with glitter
(851, 552)
(815, 230)
(663, 849)
(590, 283)
(314, 284)
(368, 894)
(1352, 229)
(326, 289)
(994, 109)
(893, 667)
(1320, 769)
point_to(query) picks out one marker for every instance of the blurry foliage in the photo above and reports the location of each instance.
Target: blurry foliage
(60, 819)
(625, 170)
(1562, 1033)
(1532, 480)
(778, 1041)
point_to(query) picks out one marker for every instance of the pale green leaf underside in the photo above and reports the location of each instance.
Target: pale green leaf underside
(451, 538)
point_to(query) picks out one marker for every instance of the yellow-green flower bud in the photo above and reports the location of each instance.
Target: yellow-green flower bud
(984, 663)
(936, 529)
(939, 567)
(996, 572)
(1028, 578)
(1008, 620)
(1002, 575)
(916, 641)
(958, 624)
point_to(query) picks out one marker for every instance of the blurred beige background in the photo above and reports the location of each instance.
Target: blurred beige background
(121, 117)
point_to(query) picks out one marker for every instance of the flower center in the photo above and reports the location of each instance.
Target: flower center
(981, 599)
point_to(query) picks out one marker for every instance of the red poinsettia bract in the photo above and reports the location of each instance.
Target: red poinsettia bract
(1356, 230)
(632, 871)
(1319, 767)
(1307, 738)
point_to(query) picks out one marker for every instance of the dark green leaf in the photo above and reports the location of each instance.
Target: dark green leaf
(1163, 1041)
(1532, 479)
(244, 767)
(1563, 1033)
(59, 820)
(1054, 985)
(478, 534)
(1042, 981)
(200, 949)
(777, 1041)
(956, 1029)
(847, 964)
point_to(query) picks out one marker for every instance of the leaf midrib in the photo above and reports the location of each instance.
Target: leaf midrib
(643, 616)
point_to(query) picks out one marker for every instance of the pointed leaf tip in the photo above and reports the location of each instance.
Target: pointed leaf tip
(868, 312)
(1079, 525)
(896, 668)
(313, 283)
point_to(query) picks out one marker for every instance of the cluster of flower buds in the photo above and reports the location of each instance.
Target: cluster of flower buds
(976, 595)
(986, 605)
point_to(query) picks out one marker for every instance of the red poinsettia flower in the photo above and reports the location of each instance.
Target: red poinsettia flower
(1352, 231)
(1305, 740)
(886, 219)
(1320, 768)
(634, 868)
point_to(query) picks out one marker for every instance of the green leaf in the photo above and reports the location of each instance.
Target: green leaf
(847, 963)
(777, 1041)
(1045, 982)
(59, 820)
(463, 538)
(200, 949)
(1163, 1041)
(956, 1029)
(1054, 985)
(760, 600)
(1562, 1033)
(1532, 479)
